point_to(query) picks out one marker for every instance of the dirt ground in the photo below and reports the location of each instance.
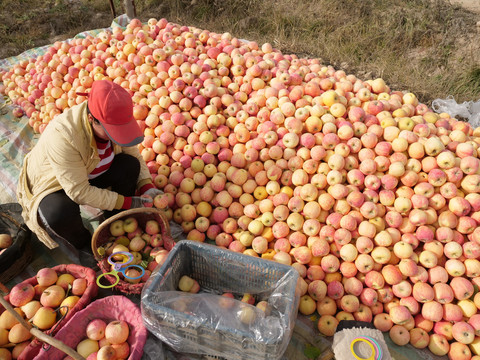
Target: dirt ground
(472, 5)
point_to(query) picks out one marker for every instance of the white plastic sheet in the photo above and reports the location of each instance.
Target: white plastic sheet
(469, 110)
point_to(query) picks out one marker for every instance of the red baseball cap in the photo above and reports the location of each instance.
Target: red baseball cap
(112, 106)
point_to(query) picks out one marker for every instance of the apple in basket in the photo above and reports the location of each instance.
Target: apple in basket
(44, 318)
(248, 298)
(30, 308)
(18, 334)
(46, 277)
(65, 280)
(52, 296)
(21, 294)
(130, 224)
(187, 284)
(5, 241)
(79, 286)
(226, 300)
(152, 227)
(116, 228)
(266, 308)
(246, 314)
(117, 332)
(68, 303)
(7, 320)
(87, 347)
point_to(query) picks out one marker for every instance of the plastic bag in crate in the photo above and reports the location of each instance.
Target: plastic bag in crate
(210, 324)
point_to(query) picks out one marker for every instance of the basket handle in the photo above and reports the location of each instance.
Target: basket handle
(165, 225)
(39, 334)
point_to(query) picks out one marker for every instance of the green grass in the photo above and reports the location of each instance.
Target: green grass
(425, 46)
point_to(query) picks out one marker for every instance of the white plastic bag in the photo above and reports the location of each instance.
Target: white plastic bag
(468, 110)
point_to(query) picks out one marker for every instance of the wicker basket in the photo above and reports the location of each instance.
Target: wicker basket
(15, 258)
(110, 308)
(102, 234)
(91, 291)
(218, 270)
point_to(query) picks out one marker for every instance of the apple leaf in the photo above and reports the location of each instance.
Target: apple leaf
(312, 352)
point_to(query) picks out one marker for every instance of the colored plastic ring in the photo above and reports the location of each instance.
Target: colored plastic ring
(372, 357)
(141, 270)
(127, 255)
(107, 286)
(377, 346)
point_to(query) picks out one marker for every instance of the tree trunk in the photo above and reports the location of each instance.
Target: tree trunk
(130, 8)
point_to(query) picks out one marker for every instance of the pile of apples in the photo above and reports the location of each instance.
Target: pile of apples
(146, 246)
(104, 341)
(368, 193)
(42, 304)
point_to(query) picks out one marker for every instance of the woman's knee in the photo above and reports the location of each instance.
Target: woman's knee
(129, 164)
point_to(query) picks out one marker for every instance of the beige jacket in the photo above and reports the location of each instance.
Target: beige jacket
(62, 159)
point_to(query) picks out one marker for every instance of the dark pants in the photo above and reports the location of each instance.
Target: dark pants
(61, 215)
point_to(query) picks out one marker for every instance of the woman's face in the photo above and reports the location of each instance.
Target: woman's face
(98, 129)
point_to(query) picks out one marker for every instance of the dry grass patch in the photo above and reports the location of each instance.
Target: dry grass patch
(428, 47)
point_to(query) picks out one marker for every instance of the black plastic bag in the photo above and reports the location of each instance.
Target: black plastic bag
(16, 257)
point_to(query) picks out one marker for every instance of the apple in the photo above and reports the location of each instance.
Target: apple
(46, 277)
(267, 309)
(5, 241)
(419, 338)
(52, 296)
(248, 298)
(116, 228)
(65, 280)
(30, 308)
(18, 349)
(87, 347)
(21, 294)
(7, 320)
(463, 332)
(444, 328)
(307, 305)
(122, 350)
(326, 306)
(79, 286)
(117, 332)
(247, 315)
(44, 318)
(459, 351)
(399, 335)
(226, 300)
(438, 345)
(382, 322)
(68, 304)
(130, 224)
(327, 325)
(18, 334)
(96, 329)
(152, 227)
(6, 354)
(107, 352)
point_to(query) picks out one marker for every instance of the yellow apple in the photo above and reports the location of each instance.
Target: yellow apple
(68, 303)
(44, 318)
(87, 347)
